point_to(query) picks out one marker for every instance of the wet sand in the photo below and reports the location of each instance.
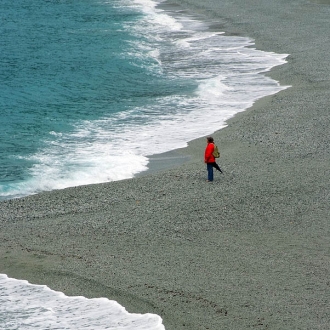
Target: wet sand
(250, 250)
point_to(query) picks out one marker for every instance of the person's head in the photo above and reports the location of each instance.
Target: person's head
(210, 139)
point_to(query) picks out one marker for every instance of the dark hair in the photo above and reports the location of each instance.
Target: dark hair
(210, 139)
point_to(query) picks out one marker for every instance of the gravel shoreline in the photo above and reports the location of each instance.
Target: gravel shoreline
(250, 250)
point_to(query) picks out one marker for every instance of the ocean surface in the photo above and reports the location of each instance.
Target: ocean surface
(89, 89)
(26, 306)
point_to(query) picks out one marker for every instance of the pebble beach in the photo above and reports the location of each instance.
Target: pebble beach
(251, 249)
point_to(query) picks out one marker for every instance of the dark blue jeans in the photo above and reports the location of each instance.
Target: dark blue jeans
(209, 167)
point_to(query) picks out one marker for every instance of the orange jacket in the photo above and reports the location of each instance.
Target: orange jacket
(208, 156)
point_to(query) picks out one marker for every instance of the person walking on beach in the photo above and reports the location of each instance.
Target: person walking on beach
(209, 159)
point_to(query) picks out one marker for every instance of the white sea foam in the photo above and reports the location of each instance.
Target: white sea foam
(225, 70)
(25, 306)
(156, 16)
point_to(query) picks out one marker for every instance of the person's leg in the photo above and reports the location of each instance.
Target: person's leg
(209, 172)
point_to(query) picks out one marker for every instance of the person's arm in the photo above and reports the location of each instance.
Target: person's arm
(208, 152)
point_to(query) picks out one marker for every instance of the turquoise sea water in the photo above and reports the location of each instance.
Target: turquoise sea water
(64, 63)
(89, 89)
